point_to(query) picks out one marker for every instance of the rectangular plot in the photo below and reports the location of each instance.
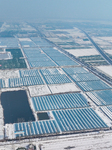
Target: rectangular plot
(40, 41)
(93, 85)
(37, 59)
(101, 97)
(50, 71)
(29, 52)
(54, 54)
(9, 42)
(27, 43)
(29, 73)
(26, 81)
(60, 101)
(107, 110)
(57, 79)
(2, 83)
(35, 55)
(75, 70)
(78, 120)
(36, 128)
(42, 64)
(67, 63)
(61, 58)
(84, 77)
(30, 49)
(62, 88)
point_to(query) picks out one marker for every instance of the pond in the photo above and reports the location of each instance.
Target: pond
(16, 107)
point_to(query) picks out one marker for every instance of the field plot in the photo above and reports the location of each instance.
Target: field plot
(93, 85)
(9, 43)
(57, 79)
(84, 77)
(101, 97)
(29, 73)
(106, 70)
(5, 55)
(62, 88)
(26, 81)
(95, 60)
(67, 63)
(83, 52)
(103, 41)
(75, 70)
(17, 60)
(37, 58)
(27, 78)
(2, 83)
(42, 64)
(107, 110)
(39, 90)
(60, 101)
(52, 51)
(40, 42)
(109, 52)
(59, 58)
(26, 42)
(53, 71)
(36, 128)
(77, 120)
(29, 51)
(5, 74)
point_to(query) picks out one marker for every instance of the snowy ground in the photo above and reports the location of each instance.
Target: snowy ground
(83, 52)
(39, 90)
(62, 88)
(6, 74)
(86, 141)
(107, 38)
(24, 39)
(109, 51)
(1, 123)
(106, 69)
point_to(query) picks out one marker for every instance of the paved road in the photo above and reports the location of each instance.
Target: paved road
(99, 49)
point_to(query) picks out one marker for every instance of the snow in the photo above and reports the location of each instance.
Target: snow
(106, 69)
(98, 141)
(5, 74)
(62, 88)
(39, 90)
(86, 141)
(83, 52)
(107, 38)
(104, 117)
(24, 39)
(109, 51)
(9, 131)
(1, 123)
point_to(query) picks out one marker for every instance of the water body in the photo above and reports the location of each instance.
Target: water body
(16, 107)
(43, 116)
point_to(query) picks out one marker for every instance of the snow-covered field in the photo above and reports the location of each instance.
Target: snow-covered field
(86, 141)
(83, 52)
(24, 39)
(39, 90)
(5, 74)
(107, 38)
(106, 69)
(109, 51)
(62, 88)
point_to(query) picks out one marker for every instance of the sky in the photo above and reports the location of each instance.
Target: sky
(26, 10)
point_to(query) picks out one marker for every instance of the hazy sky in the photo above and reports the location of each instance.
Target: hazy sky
(55, 9)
